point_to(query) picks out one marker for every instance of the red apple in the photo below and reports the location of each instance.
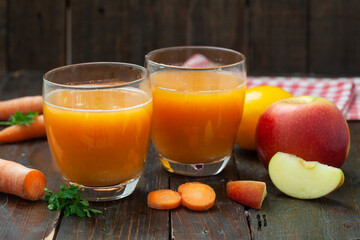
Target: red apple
(248, 193)
(312, 128)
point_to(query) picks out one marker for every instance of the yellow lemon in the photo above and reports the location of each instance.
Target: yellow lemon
(256, 101)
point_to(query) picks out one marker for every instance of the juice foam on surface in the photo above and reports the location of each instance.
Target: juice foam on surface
(101, 100)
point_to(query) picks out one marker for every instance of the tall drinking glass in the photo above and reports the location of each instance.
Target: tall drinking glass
(98, 123)
(197, 107)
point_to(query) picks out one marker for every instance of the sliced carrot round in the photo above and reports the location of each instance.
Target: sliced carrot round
(164, 199)
(197, 196)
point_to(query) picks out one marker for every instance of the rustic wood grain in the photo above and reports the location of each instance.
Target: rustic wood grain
(125, 30)
(277, 37)
(139, 27)
(91, 23)
(335, 37)
(128, 218)
(3, 34)
(218, 23)
(21, 83)
(23, 219)
(36, 34)
(167, 24)
(314, 37)
(225, 220)
(335, 216)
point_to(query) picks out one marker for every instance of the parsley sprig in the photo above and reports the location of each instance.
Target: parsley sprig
(70, 201)
(20, 119)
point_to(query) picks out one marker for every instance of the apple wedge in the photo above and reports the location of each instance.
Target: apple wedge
(248, 193)
(302, 179)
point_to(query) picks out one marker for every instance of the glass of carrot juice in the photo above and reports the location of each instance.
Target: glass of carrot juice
(98, 123)
(198, 99)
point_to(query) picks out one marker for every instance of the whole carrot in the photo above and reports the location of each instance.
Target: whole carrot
(16, 133)
(22, 104)
(21, 181)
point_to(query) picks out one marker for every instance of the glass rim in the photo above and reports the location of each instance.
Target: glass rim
(147, 59)
(143, 70)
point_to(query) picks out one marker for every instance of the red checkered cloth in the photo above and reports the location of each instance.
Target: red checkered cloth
(344, 92)
(198, 61)
(341, 91)
(354, 110)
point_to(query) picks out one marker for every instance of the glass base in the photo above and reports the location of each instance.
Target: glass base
(108, 193)
(195, 170)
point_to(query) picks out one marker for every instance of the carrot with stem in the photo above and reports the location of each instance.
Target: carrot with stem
(21, 104)
(197, 196)
(24, 129)
(21, 181)
(164, 199)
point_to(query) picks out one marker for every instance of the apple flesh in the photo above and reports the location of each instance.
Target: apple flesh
(312, 128)
(248, 193)
(303, 179)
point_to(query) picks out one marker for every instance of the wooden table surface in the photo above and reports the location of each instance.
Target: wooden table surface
(335, 216)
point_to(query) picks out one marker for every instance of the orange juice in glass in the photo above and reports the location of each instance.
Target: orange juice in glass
(98, 122)
(196, 110)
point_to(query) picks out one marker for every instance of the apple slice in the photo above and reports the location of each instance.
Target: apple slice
(302, 179)
(248, 193)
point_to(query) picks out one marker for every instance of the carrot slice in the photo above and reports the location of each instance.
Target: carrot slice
(164, 199)
(197, 196)
(21, 181)
(16, 133)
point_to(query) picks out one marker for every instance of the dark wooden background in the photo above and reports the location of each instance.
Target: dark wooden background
(279, 37)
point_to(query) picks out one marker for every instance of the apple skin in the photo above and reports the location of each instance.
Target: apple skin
(312, 128)
(248, 193)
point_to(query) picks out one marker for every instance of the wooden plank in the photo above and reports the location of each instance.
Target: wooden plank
(335, 216)
(127, 218)
(125, 30)
(277, 37)
(218, 23)
(21, 83)
(23, 219)
(225, 220)
(36, 34)
(335, 37)
(3, 80)
(3, 35)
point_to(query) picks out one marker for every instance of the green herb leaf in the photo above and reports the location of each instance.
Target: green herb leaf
(80, 212)
(95, 211)
(87, 212)
(70, 201)
(67, 212)
(21, 119)
(85, 203)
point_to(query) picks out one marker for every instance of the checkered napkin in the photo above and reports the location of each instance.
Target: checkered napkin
(341, 91)
(344, 92)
